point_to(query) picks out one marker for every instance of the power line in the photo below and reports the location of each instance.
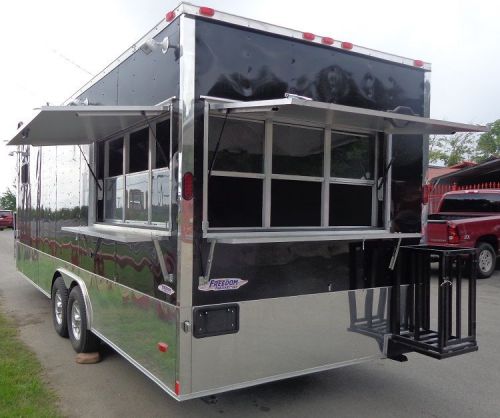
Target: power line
(65, 58)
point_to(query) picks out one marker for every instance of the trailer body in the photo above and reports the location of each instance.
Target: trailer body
(231, 207)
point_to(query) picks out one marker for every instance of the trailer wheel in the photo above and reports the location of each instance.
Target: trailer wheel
(486, 260)
(59, 302)
(82, 339)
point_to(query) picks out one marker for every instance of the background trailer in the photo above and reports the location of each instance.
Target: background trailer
(225, 204)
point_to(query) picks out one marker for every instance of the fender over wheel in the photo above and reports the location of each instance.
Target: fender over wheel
(82, 339)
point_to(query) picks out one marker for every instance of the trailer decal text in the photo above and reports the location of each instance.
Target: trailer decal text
(166, 289)
(222, 284)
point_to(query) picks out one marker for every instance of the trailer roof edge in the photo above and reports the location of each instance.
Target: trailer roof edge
(193, 10)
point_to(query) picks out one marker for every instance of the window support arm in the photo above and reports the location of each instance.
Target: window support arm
(90, 168)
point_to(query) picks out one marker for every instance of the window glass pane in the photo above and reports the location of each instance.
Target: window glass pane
(139, 151)
(350, 205)
(160, 195)
(115, 158)
(113, 194)
(234, 202)
(298, 151)
(472, 202)
(352, 156)
(162, 144)
(136, 197)
(240, 148)
(295, 203)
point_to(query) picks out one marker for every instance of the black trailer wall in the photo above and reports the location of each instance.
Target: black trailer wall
(242, 64)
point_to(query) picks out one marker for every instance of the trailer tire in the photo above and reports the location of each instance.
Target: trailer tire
(82, 339)
(486, 260)
(59, 303)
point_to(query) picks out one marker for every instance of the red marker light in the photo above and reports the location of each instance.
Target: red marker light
(346, 45)
(187, 186)
(163, 347)
(207, 11)
(308, 36)
(418, 63)
(326, 40)
(170, 16)
(177, 387)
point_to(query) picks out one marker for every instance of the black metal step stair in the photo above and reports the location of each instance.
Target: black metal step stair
(411, 329)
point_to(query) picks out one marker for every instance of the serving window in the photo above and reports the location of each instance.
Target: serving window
(273, 175)
(137, 176)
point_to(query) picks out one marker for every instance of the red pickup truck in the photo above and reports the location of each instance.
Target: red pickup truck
(6, 219)
(469, 218)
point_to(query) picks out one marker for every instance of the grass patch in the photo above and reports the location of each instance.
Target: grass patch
(23, 392)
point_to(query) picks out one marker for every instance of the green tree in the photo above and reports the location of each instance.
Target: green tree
(489, 143)
(452, 149)
(8, 200)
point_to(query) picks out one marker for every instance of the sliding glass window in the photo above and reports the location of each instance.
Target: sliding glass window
(270, 175)
(137, 176)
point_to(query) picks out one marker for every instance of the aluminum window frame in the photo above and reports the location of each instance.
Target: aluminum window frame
(267, 176)
(150, 125)
(357, 182)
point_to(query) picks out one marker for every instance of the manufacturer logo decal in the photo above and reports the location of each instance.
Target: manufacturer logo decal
(222, 284)
(166, 289)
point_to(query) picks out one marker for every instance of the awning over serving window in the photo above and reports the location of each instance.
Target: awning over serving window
(69, 125)
(341, 117)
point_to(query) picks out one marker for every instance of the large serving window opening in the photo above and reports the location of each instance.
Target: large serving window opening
(129, 173)
(293, 169)
(274, 175)
(137, 176)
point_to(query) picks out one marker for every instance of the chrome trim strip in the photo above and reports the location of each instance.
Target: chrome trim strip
(374, 187)
(93, 191)
(325, 198)
(167, 102)
(356, 182)
(83, 287)
(151, 161)
(206, 126)
(239, 174)
(210, 99)
(118, 233)
(388, 183)
(298, 35)
(268, 237)
(296, 178)
(185, 245)
(126, 164)
(279, 377)
(305, 229)
(268, 172)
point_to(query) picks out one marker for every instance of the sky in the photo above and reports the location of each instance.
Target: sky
(51, 48)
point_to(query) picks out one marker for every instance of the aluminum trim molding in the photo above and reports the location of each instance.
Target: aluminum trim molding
(279, 377)
(83, 287)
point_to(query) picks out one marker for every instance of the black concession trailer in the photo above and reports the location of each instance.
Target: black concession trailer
(231, 203)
